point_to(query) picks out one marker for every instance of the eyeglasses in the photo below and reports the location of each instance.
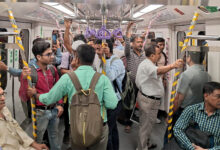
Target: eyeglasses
(216, 96)
(3, 94)
(48, 54)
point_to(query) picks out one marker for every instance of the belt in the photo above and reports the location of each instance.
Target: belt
(45, 107)
(151, 97)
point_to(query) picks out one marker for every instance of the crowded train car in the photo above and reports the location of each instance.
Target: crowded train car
(110, 74)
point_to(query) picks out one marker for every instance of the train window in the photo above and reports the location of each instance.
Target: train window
(24, 34)
(180, 38)
(3, 58)
(55, 37)
(203, 43)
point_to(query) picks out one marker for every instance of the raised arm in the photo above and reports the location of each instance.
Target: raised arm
(127, 39)
(67, 24)
(165, 69)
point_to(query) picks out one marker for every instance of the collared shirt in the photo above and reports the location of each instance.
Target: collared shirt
(191, 84)
(115, 70)
(12, 137)
(206, 123)
(65, 63)
(147, 80)
(44, 83)
(103, 89)
(58, 57)
(133, 60)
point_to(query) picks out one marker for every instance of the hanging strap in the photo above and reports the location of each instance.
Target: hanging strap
(94, 80)
(75, 80)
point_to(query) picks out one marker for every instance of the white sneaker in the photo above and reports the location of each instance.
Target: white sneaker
(158, 121)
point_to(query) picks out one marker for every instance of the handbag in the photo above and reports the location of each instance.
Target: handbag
(195, 135)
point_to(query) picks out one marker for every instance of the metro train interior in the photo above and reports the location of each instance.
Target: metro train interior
(167, 19)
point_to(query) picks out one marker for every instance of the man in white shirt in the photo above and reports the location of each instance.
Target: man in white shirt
(151, 90)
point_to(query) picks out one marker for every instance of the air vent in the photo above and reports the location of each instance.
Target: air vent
(166, 15)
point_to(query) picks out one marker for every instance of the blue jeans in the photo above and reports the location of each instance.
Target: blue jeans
(48, 120)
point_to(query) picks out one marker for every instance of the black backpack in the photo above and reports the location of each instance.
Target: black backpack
(128, 91)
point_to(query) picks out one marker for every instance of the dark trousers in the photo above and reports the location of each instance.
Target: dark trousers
(128, 113)
(113, 137)
(66, 122)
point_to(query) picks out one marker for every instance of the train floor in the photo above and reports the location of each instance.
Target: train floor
(128, 141)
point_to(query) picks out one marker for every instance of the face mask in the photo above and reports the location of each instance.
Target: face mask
(120, 47)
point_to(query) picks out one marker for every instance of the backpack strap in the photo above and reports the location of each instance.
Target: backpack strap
(51, 67)
(34, 76)
(94, 80)
(75, 80)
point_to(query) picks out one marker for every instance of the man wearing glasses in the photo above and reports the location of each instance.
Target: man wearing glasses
(11, 134)
(47, 116)
(207, 117)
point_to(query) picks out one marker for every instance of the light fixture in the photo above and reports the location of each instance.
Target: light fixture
(124, 22)
(83, 20)
(146, 10)
(50, 3)
(60, 8)
(138, 14)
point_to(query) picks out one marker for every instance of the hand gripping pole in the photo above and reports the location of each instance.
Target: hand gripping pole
(19, 43)
(176, 77)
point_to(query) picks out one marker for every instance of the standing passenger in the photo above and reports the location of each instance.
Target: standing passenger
(134, 56)
(151, 91)
(189, 90)
(47, 116)
(104, 90)
(115, 71)
(160, 42)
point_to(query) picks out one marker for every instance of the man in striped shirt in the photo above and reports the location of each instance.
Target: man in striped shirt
(205, 114)
(134, 56)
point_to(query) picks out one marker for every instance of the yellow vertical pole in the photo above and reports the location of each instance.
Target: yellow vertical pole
(176, 77)
(103, 57)
(19, 43)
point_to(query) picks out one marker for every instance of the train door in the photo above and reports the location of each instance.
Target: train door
(180, 33)
(12, 84)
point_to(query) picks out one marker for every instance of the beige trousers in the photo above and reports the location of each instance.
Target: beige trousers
(148, 114)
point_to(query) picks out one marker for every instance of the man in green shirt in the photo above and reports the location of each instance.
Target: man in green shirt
(104, 90)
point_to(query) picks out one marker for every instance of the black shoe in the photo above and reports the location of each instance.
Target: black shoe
(152, 146)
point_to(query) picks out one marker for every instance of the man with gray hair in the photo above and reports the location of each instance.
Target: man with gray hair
(151, 90)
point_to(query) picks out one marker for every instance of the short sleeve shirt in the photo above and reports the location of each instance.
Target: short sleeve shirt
(65, 64)
(147, 80)
(191, 85)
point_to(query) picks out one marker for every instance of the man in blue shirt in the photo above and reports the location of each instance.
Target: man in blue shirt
(205, 114)
(115, 71)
